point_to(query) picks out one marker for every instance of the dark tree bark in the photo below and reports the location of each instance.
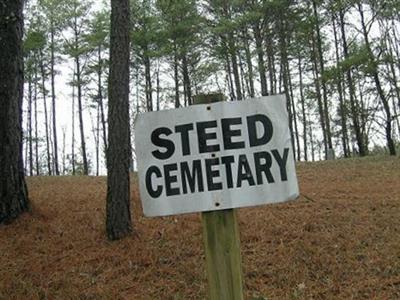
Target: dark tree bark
(353, 101)
(158, 86)
(46, 123)
(53, 100)
(246, 38)
(339, 84)
(100, 97)
(118, 221)
(186, 80)
(36, 124)
(318, 94)
(176, 77)
(271, 63)
(229, 77)
(148, 86)
(294, 114)
(73, 126)
(285, 75)
(244, 83)
(290, 86)
(303, 110)
(13, 190)
(98, 142)
(235, 66)
(323, 83)
(80, 116)
(311, 135)
(30, 145)
(229, 41)
(363, 115)
(25, 147)
(260, 56)
(79, 84)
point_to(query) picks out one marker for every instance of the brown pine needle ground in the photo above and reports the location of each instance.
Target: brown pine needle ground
(340, 240)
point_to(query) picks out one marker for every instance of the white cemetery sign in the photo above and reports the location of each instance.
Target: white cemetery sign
(215, 156)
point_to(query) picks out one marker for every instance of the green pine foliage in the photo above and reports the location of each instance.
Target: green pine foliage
(183, 48)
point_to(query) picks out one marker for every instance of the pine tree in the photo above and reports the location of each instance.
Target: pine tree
(13, 190)
(118, 222)
(98, 43)
(77, 48)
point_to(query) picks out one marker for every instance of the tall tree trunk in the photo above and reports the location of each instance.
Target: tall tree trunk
(303, 110)
(285, 75)
(243, 82)
(98, 142)
(158, 86)
(100, 98)
(30, 145)
(46, 122)
(96, 137)
(280, 79)
(51, 145)
(186, 80)
(229, 77)
(73, 125)
(318, 94)
(176, 77)
(118, 222)
(79, 84)
(80, 116)
(13, 190)
(339, 81)
(294, 114)
(53, 99)
(148, 86)
(249, 63)
(235, 68)
(353, 102)
(229, 41)
(323, 83)
(363, 115)
(311, 135)
(293, 106)
(378, 85)
(64, 152)
(184, 95)
(271, 63)
(25, 147)
(260, 56)
(36, 123)
(137, 69)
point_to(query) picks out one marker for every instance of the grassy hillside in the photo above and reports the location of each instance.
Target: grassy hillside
(340, 240)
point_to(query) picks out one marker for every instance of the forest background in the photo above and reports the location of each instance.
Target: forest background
(337, 62)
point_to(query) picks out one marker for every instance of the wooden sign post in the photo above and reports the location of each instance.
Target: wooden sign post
(223, 259)
(221, 243)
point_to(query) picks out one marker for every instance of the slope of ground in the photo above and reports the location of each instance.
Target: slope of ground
(340, 240)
